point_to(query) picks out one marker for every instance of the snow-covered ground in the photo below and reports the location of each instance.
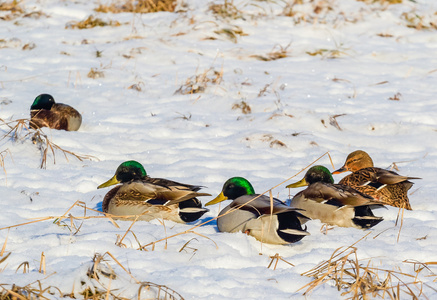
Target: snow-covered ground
(355, 75)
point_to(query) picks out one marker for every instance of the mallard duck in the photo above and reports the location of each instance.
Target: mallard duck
(386, 186)
(44, 112)
(333, 204)
(151, 198)
(252, 213)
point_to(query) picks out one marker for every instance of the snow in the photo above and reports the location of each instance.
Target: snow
(201, 139)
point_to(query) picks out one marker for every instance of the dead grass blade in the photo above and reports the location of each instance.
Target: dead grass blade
(141, 6)
(226, 10)
(362, 281)
(127, 231)
(118, 263)
(277, 52)
(3, 155)
(42, 264)
(333, 121)
(91, 22)
(19, 130)
(198, 83)
(103, 274)
(164, 292)
(4, 246)
(25, 265)
(276, 258)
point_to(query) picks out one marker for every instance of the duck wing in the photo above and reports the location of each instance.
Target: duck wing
(154, 194)
(260, 205)
(170, 183)
(390, 177)
(337, 195)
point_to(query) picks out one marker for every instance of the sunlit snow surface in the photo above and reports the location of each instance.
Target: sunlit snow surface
(378, 94)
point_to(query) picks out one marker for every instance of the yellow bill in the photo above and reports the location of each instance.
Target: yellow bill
(300, 183)
(110, 182)
(217, 199)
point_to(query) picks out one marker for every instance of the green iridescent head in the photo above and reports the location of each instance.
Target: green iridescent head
(314, 174)
(126, 172)
(232, 189)
(319, 174)
(43, 101)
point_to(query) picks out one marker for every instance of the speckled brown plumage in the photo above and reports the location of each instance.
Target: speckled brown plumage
(386, 186)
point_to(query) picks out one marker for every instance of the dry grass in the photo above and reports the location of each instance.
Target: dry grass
(101, 275)
(18, 130)
(90, 22)
(28, 292)
(276, 258)
(329, 53)
(359, 279)
(277, 52)
(13, 7)
(140, 6)
(230, 33)
(396, 97)
(198, 83)
(382, 2)
(333, 121)
(414, 20)
(227, 9)
(3, 155)
(243, 106)
(95, 73)
(96, 284)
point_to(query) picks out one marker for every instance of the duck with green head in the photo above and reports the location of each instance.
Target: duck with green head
(269, 222)
(151, 198)
(385, 186)
(333, 204)
(44, 112)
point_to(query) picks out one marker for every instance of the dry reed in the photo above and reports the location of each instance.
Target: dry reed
(91, 22)
(359, 279)
(198, 83)
(140, 6)
(19, 130)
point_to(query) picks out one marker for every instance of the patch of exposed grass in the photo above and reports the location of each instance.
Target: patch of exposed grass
(329, 53)
(198, 83)
(267, 138)
(227, 9)
(396, 97)
(277, 52)
(95, 73)
(90, 22)
(382, 2)
(18, 130)
(413, 20)
(359, 279)
(230, 33)
(13, 7)
(140, 6)
(243, 106)
(95, 284)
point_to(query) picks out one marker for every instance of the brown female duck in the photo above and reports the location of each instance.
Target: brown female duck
(385, 186)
